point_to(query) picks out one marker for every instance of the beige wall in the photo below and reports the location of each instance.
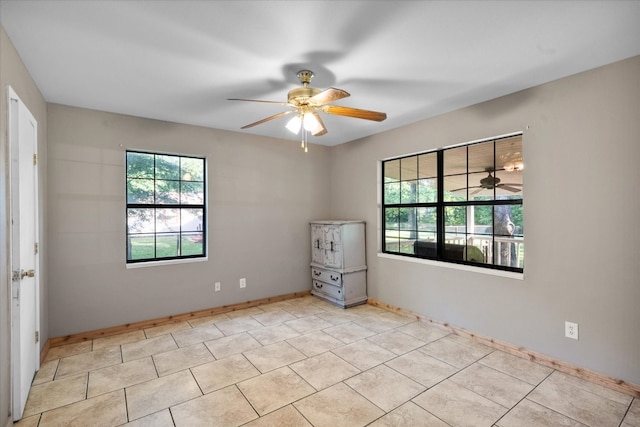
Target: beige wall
(262, 194)
(582, 171)
(13, 73)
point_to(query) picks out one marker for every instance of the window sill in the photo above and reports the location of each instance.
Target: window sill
(501, 273)
(167, 262)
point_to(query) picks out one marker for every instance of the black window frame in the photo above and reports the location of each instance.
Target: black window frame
(440, 205)
(181, 233)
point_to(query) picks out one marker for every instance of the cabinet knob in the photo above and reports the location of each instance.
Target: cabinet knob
(334, 278)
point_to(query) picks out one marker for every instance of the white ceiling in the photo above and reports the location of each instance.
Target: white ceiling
(180, 60)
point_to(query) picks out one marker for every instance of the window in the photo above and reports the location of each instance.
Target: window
(461, 204)
(166, 213)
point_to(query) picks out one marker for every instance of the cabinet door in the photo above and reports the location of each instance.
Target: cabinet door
(333, 246)
(317, 244)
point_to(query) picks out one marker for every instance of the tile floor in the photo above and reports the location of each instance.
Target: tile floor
(304, 362)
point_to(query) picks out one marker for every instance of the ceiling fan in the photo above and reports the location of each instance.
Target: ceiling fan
(490, 182)
(306, 102)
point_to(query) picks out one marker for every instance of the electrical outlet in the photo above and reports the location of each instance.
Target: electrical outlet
(571, 330)
(217, 286)
(243, 283)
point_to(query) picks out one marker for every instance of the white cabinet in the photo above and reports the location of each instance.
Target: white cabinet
(338, 262)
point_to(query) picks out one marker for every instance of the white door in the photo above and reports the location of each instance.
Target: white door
(23, 143)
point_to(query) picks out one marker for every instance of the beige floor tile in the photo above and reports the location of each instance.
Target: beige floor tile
(315, 343)
(304, 310)
(324, 370)
(207, 320)
(31, 421)
(285, 417)
(594, 388)
(161, 393)
(156, 331)
(349, 332)
(69, 350)
(105, 410)
(182, 358)
(275, 389)
(494, 385)
(458, 406)
(234, 344)
(364, 354)
(86, 362)
(145, 348)
(633, 415)
(560, 393)
(338, 406)
(120, 376)
(397, 317)
(422, 368)
(226, 407)
(336, 316)
(528, 413)
(46, 372)
(423, 331)
(275, 317)
(55, 394)
(224, 372)
(236, 325)
(158, 419)
(385, 387)
(397, 342)
(119, 339)
(304, 325)
(409, 414)
(273, 334)
(377, 323)
(518, 367)
(245, 312)
(196, 335)
(452, 352)
(273, 356)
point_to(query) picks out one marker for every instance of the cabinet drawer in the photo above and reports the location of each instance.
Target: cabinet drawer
(329, 289)
(327, 276)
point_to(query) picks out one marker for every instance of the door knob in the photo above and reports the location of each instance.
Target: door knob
(28, 273)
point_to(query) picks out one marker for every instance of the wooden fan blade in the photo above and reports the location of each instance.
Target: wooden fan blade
(509, 188)
(258, 100)
(323, 128)
(328, 96)
(464, 188)
(259, 122)
(354, 112)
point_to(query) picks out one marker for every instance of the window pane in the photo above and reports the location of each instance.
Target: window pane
(408, 191)
(481, 157)
(481, 185)
(509, 154)
(191, 219)
(455, 188)
(408, 219)
(192, 244)
(392, 241)
(409, 168)
(167, 245)
(392, 218)
(167, 192)
(455, 161)
(167, 220)
(455, 223)
(140, 191)
(482, 220)
(141, 246)
(510, 186)
(141, 220)
(140, 165)
(391, 171)
(427, 191)
(167, 167)
(392, 193)
(192, 193)
(192, 169)
(428, 165)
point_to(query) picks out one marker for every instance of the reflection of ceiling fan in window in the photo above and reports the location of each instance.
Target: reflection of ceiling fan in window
(490, 182)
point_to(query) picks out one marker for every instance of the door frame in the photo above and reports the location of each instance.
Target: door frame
(13, 126)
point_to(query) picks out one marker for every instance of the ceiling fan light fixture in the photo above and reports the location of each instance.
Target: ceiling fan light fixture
(294, 124)
(311, 123)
